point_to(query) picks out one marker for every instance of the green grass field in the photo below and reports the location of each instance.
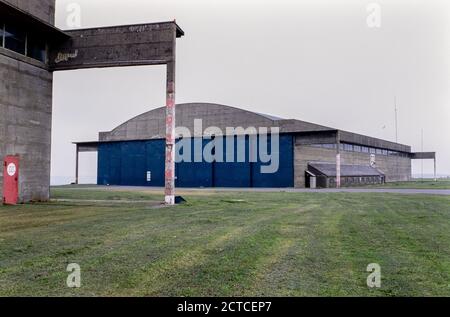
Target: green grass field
(226, 244)
(418, 184)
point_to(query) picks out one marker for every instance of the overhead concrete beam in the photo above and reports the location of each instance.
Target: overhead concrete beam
(423, 155)
(131, 45)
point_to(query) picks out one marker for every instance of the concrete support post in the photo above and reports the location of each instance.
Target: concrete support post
(77, 159)
(170, 136)
(338, 160)
(435, 170)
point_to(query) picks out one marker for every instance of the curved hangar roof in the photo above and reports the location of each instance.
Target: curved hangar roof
(151, 125)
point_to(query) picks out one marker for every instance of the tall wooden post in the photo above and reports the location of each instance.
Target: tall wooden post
(338, 160)
(170, 131)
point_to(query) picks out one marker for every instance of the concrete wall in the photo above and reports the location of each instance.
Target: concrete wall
(26, 111)
(395, 168)
(25, 125)
(42, 9)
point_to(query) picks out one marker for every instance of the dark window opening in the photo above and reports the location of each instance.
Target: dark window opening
(348, 147)
(36, 49)
(329, 146)
(2, 33)
(15, 39)
(18, 40)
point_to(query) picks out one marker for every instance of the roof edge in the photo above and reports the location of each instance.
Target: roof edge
(180, 32)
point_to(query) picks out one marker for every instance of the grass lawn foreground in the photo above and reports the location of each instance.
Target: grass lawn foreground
(226, 244)
(417, 184)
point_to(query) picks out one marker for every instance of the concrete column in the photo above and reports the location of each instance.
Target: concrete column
(77, 156)
(170, 136)
(170, 126)
(338, 160)
(435, 170)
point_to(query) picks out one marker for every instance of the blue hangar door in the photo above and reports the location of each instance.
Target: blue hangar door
(141, 163)
(245, 172)
(133, 163)
(192, 173)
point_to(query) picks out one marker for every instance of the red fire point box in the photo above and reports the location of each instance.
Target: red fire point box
(11, 180)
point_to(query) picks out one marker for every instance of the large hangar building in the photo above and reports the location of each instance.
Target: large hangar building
(310, 155)
(32, 48)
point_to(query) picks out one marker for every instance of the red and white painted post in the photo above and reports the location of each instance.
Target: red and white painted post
(170, 135)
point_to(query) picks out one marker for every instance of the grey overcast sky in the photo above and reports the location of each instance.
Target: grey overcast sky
(313, 60)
